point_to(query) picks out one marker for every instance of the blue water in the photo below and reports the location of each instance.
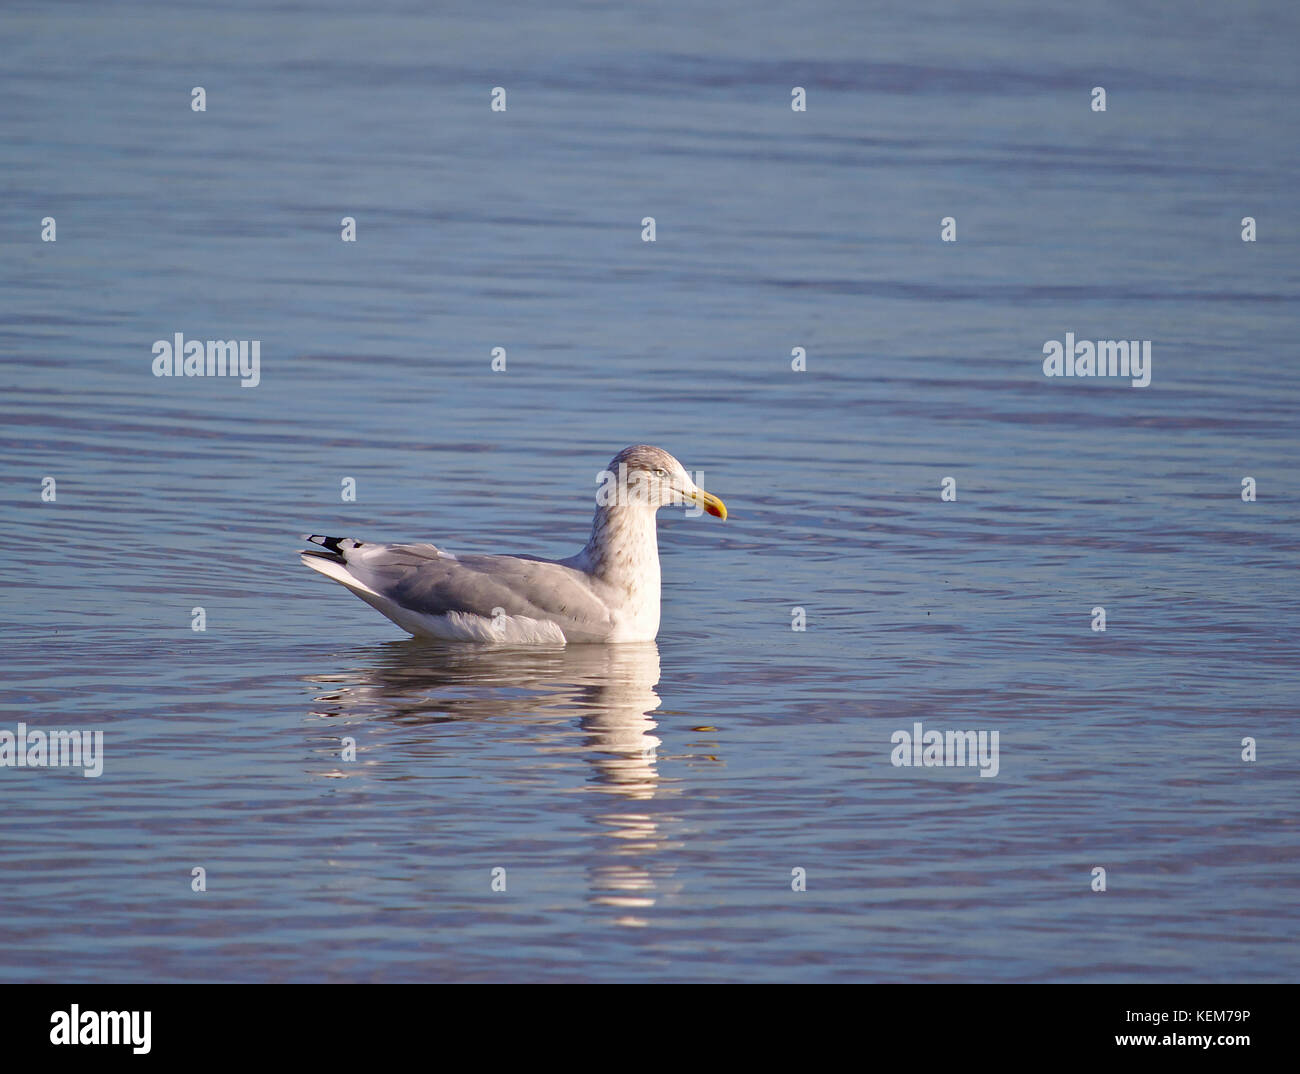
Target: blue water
(649, 803)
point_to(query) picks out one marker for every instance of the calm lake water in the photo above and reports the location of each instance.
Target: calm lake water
(650, 803)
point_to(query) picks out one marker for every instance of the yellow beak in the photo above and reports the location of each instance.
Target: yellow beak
(711, 504)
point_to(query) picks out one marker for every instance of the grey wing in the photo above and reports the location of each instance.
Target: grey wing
(423, 579)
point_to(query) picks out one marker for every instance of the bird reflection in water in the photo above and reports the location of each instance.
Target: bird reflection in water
(609, 690)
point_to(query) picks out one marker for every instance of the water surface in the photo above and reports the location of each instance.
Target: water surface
(649, 803)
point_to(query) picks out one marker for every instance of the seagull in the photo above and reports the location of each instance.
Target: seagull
(608, 592)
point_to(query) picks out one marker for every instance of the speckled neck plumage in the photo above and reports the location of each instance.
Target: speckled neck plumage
(624, 550)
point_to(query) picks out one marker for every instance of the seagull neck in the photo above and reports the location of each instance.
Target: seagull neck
(623, 546)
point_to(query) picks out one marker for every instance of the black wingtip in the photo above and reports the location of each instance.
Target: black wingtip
(332, 543)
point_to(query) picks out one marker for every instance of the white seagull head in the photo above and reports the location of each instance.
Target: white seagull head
(645, 476)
